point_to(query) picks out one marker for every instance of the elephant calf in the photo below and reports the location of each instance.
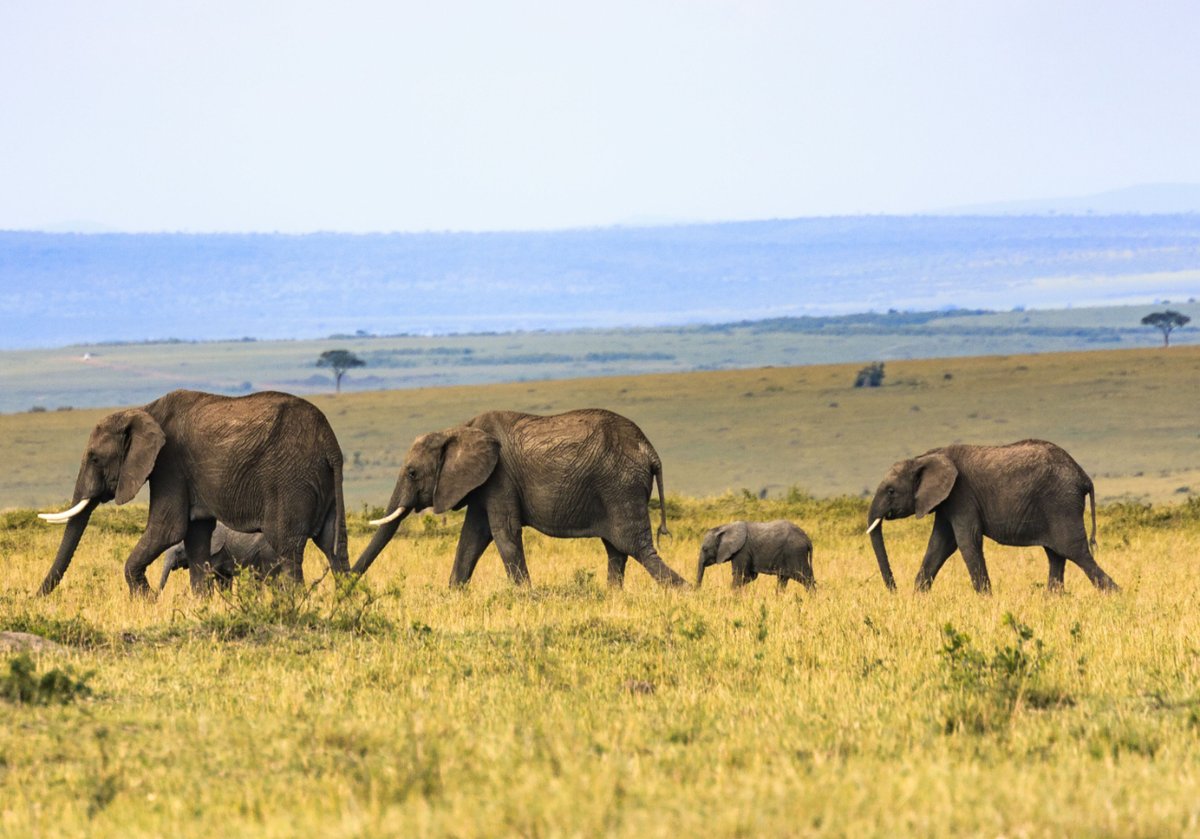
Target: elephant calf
(230, 551)
(754, 547)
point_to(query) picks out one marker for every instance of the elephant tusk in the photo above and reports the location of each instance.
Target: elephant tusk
(389, 518)
(874, 525)
(65, 515)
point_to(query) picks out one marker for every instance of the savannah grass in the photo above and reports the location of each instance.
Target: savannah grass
(400, 707)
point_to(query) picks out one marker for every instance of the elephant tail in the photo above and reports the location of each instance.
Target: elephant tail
(1092, 498)
(341, 546)
(662, 502)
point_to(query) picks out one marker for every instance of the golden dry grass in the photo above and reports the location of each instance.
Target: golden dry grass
(410, 709)
(569, 710)
(1128, 417)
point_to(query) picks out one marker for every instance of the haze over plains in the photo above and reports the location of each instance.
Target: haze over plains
(365, 116)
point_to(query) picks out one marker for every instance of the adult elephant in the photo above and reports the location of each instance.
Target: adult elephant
(577, 474)
(229, 552)
(1026, 493)
(266, 462)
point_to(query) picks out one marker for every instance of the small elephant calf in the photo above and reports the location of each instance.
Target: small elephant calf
(767, 547)
(230, 551)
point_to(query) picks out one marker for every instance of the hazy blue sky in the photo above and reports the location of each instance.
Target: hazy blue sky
(511, 115)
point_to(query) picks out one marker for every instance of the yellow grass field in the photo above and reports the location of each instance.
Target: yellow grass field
(1128, 416)
(402, 708)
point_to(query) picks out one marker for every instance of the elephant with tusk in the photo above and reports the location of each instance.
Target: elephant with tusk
(1026, 493)
(268, 462)
(577, 474)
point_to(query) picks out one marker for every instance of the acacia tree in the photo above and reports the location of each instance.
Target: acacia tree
(340, 361)
(1165, 322)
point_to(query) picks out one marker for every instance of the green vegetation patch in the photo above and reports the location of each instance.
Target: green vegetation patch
(23, 685)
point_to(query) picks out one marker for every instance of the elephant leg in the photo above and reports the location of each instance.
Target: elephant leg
(1081, 554)
(1058, 565)
(473, 540)
(781, 583)
(511, 545)
(148, 548)
(741, 572)
(972, 552)
(659, 570)
(198, 545)
(941, 545)
(616, 565)
(339, 562)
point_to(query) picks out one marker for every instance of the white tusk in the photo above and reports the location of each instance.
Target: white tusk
(65, 515)
(397, 514)
(874, 525)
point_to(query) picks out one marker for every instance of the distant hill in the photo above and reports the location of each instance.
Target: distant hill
(134, 373)
(1145, 199)
(59, 289)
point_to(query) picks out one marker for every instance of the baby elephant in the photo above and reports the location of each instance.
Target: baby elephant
(759, 547)
(230, 551)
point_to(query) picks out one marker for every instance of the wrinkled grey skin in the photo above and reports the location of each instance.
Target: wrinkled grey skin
(572, 475)
(266, 462)
(229, 552)
(1026, 493)
(758, 547)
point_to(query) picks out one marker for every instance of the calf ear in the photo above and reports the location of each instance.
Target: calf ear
(468, 457)
(733, 538)
(935, 477)
(144, 439)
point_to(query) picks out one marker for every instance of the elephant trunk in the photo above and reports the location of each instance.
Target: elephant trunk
(885, 568)
(168, 567)
(700, 565)
(378, 542)
(66, 548)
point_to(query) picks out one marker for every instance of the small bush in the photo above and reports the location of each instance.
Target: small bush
(23, 686)
(71, 632)
(986, 691)
(254, 608)
(870, 376)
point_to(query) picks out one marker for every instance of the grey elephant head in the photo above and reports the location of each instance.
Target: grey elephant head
(119, 457)
(911, 487)
(719, 546)
(439, 471)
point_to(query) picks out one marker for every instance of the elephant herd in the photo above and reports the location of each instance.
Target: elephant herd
(245, 482)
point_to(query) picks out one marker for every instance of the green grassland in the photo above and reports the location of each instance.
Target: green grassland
(402, 708)
(1128, 417)
(130, 374)
(406, 709)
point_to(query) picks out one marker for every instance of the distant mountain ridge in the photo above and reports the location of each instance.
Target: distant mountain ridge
(59, 289)
(1146, 199)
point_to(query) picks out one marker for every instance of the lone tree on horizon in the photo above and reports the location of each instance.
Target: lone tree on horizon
(1165, 322)
(340, 361)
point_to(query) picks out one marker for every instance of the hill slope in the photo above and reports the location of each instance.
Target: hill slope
(1128, 416)
(131, 374)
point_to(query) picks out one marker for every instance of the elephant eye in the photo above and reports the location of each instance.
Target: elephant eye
(891, 491)
(412, 473)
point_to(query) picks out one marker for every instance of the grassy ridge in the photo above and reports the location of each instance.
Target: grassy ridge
(1128, 416)
(136, 373)
(568, 710)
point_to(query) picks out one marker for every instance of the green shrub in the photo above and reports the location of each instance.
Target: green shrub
(23, 686)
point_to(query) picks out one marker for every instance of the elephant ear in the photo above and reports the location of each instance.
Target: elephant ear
(220, 536)
(733, 538)
(144, 438)
(468, 457)
(935, 477)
